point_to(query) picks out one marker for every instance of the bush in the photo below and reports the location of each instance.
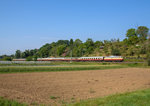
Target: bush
(7, 59)
(35, 58)
(29, 58)
(148, 62)
(115, 52)
(148, 59)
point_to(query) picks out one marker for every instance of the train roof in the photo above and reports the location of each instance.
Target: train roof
(93, 57)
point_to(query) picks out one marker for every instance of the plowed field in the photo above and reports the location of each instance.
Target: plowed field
(59, 87)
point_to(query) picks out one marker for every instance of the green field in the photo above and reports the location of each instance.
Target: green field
(137, 98)
(14, 69)
(65, 66)
(54, 63)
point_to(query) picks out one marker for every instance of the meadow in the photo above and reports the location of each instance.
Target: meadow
(14, 69)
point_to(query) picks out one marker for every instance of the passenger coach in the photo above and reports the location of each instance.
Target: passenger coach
(98, 58)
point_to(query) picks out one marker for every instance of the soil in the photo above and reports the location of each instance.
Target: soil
(56, 88)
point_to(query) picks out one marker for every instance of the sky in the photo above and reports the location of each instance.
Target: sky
(29, 24)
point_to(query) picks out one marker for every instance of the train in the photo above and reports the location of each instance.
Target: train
(97, 58)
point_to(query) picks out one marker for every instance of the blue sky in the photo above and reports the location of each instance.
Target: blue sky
(29, 24)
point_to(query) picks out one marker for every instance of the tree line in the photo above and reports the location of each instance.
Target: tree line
(136, 44)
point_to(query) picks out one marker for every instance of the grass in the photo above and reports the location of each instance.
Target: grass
(14, 69)
(54, 97)
(65, 66)
(136, 98)
(53, 63)
(138, 65)
(5, 102)
(134, 60)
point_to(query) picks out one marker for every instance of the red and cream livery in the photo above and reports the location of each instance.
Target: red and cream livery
(113, 59)
(98, 58)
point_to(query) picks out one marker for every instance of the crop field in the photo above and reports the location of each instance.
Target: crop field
(52, 68)
(62, 85)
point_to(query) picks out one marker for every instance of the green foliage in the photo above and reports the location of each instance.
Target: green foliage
(131, 32)
(44, 50)
(115, 52)
(7, 59)
(77, 42)
(142, 32)
(35, 58)
(132, 36)
(18, 54)
(89, 44)
(29, 58)
(5, 102)
(54, 97)
(148, 61)
(61, 49)
(71, 42)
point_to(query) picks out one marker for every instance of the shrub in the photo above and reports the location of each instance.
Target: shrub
(7, 59)
(29, 58)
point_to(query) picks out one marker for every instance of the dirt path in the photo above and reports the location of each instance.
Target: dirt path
(59, 87)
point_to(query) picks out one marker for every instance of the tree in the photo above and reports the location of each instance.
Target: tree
(132, 36)
(71, 46)
(18, 54)
(44, 50)
(98, 44)
(115, 52)
(89, 46)
(61, 49)
(131, 32)
(77, 42)
(61, 42)
(142, 32)
(27, 53)
(6, 58)
(71, 42)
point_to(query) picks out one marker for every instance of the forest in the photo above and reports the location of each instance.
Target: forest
(135, 44)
